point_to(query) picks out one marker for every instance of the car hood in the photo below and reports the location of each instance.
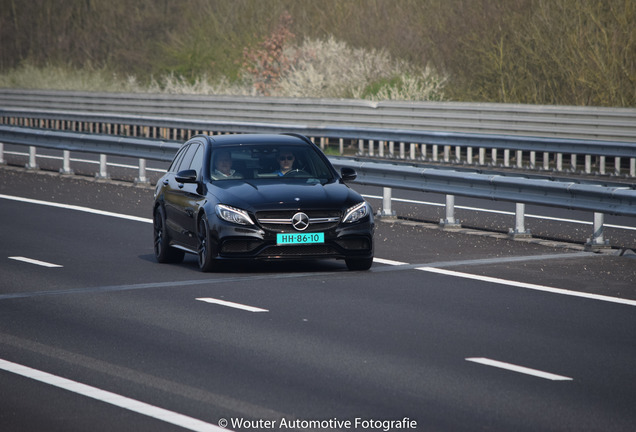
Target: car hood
(271, 195)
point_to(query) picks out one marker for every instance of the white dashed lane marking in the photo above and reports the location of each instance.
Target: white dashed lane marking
(231, 304)
(34, 261)
(519, 369)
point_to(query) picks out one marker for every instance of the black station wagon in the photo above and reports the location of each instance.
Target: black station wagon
(259, 197)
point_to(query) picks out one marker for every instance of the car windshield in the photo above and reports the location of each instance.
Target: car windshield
(274, 162)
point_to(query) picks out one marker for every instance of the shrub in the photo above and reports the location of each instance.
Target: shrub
(426, 85)
(332, 69)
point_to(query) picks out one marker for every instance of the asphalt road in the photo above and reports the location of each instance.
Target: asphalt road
(449, 331)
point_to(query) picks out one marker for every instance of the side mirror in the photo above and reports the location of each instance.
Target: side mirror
(348, 174)
(186, 176)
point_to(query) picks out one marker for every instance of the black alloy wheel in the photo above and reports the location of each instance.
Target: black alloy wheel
(206, 249)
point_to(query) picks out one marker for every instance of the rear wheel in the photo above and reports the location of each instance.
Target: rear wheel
(359, 263)
(163, 252)
(206, 249)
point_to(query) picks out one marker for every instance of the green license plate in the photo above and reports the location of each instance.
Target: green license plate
(300, 238)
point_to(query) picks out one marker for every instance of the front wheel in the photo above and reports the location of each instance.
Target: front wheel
(206, 250)
(359, 263)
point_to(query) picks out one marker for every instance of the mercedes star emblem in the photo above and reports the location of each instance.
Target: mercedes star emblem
(300, 221)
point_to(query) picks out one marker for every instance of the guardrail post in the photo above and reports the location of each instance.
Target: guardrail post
(2, 161)
(142, 179)
(341, 146)
(103, 169)
(588, 164)
(597, 241)
(601, 165)
(32, 164)
(632, 167)
(520, 227)
(386, 204)
(450, 222)
(66, 163)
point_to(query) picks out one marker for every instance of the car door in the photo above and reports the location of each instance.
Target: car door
(179, 197)
(192, 198)
(168, 187)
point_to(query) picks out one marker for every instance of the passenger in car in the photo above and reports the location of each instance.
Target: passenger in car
(223, 167)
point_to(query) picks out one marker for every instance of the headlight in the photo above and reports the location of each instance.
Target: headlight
(233, 215)
(356, 213)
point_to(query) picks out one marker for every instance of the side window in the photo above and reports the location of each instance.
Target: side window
(197, 160)
(187, 158)
(177, 159)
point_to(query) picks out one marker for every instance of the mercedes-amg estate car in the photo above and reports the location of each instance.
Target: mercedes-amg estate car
(259, 197)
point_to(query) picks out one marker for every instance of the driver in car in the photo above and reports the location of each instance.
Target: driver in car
(286, 161)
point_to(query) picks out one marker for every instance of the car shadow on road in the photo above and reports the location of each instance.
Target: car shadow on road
(249, 267)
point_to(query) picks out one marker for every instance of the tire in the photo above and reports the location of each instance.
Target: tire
(206, 250)
(164, 253)
(359, 263)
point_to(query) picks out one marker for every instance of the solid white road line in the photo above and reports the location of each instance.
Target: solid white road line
(520, 369)
(529, 286)
(502, 212)
(110, 398)
(34, 261)
(232, 305)
(77, 208)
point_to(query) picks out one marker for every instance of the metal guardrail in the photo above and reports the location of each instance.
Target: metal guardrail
(592, 123)
(418, 145)
(145, 148)
(519, 189)
(564, 194)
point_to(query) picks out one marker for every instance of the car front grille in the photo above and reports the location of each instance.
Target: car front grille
(281, 221)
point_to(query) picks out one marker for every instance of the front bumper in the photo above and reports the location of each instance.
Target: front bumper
(342, 241)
